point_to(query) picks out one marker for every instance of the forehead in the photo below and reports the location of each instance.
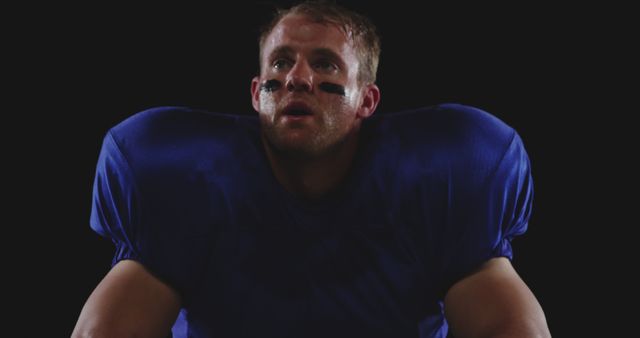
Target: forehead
(300, 32)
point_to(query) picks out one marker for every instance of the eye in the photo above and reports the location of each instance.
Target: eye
(280, 64)
(325, 66)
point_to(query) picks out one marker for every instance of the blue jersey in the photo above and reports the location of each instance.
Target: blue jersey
(432, 193)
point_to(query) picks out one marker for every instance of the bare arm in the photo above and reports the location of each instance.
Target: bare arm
(494, 302)
(128, 302)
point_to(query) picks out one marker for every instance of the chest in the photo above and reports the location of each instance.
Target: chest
(287, 271)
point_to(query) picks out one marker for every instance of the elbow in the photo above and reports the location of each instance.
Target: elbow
(93, 332)
(542, 331)
(83, 332)
(101, 331)
(522, 330)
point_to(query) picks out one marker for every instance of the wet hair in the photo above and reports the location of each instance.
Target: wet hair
(357, 27)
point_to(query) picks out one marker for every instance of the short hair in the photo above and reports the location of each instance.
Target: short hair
(358, 28)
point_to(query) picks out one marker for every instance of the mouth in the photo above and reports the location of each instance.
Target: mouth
(298, 112)
(297, 109)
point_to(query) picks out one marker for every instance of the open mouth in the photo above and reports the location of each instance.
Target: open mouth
(297, 109)
(298, 112)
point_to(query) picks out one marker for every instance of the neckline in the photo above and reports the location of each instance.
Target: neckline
(332, 201)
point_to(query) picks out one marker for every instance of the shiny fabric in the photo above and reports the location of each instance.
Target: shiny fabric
(432, 193)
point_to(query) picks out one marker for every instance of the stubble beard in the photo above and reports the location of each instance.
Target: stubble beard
(322, 138)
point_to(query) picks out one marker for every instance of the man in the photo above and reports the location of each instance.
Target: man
(317, 219)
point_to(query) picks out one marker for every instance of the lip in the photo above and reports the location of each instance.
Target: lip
(297, 105)
(293, 118)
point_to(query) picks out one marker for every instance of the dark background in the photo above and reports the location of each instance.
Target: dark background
(545, 70)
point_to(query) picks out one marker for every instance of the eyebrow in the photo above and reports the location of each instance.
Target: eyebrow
(322, 52)
(282, 50)
(329, 54)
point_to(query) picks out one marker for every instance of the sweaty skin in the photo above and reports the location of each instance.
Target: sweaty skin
(311, 153)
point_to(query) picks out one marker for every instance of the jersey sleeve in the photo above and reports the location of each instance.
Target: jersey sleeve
(510, 198)
(116, 201)
(492, 210)
(476, 193)
(151, 200)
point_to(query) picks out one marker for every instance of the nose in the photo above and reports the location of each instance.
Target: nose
(299, 78)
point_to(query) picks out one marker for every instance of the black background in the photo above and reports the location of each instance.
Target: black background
(545, 70)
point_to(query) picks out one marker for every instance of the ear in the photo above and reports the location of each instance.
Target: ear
(370, 99)
(255, 93)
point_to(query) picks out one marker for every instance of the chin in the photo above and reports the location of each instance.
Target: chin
(295, 146)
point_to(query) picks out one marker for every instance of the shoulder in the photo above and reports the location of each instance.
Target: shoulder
(171, 122)
(451, 124)
(451, 139)
(179, 139)
(179, 128)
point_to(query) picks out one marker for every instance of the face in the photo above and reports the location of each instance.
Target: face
(313, 100)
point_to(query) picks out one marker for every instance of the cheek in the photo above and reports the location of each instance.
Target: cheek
(267, 103)
(352, 97)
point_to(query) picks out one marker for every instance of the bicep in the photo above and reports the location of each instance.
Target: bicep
(129, 301)
(493, 301)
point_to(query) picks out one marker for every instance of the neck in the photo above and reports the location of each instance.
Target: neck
(313, 177)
